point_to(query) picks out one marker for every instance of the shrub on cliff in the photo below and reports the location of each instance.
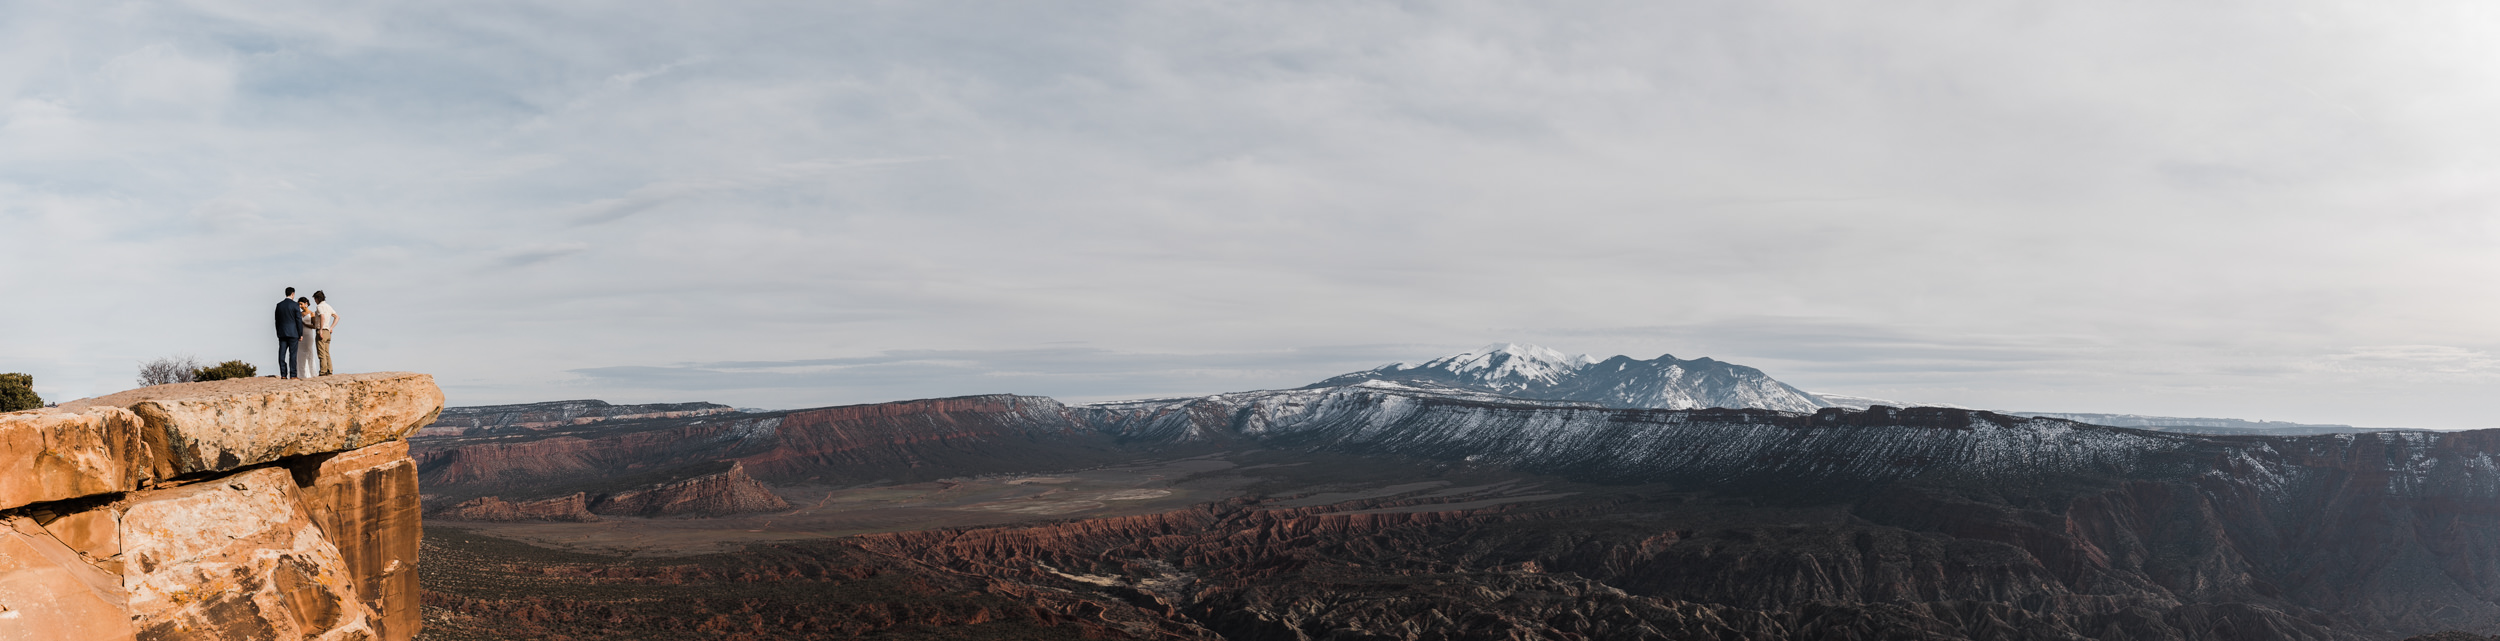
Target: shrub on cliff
(17, 392)
(170, 369)
(225, 370)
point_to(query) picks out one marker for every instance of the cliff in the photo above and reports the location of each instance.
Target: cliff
(1951, 523)
(718, 489)
(240, 509)
(902, 441)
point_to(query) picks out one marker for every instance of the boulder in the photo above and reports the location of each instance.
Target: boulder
(51, 455)
(49, 593)
(235, 558)
(366, 501)
(223, 425)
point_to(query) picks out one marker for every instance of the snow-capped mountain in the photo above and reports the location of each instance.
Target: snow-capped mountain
(1380, 417)
(1666, 382)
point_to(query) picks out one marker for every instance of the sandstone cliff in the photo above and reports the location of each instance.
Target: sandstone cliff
(240, 509)
(718, 489)
(904, 441)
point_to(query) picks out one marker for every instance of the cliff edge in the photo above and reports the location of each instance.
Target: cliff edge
(251, 508)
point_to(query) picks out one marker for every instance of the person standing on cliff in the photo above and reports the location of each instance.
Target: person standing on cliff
(324, 320)
(290, 329)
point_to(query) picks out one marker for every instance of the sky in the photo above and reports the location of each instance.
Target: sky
(2281, 210)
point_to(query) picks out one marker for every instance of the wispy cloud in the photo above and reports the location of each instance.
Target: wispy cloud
(656, 194)
(534, 254)
(2028, 204)
(1073, 373)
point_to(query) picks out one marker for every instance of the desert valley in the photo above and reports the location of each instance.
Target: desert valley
(1505, 493)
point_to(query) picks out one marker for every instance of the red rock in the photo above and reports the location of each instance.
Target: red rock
(717, 494)
(236, 558)
(49, 593)
(365, 502)
(52, 455)
(223, 425)
(574, 507)
(94, 534)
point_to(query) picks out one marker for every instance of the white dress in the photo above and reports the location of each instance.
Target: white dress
(304, 365)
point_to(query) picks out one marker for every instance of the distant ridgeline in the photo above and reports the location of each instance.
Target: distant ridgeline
(536, 416)
(2222, 426)
(1667, 382)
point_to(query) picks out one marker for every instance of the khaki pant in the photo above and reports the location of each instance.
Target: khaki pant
(321, 345)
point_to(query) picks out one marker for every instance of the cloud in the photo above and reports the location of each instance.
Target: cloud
(1072, 373)
(532, 255)
(646, 197)
(2152, 208)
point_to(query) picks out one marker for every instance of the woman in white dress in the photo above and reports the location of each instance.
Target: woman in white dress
(304, 344)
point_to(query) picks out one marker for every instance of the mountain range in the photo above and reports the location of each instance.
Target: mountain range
(1531, 372)
(1508, 492)
(1667, 382)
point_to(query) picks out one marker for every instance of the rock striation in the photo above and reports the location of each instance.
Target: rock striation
(719, 489)
(571, 508)
(721, 493)
(239, 509)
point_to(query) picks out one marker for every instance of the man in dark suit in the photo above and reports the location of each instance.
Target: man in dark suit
(290, 328)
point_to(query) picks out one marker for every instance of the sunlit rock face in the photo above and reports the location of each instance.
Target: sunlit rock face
(241, 509)
(223, 425)
(373, 491)
(56, 455)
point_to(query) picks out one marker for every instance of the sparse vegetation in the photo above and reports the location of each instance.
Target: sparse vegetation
(225, 370)
(185, 369)
(168, 370)
(17, 392)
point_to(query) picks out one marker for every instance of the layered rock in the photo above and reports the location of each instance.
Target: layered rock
(910, 440)
(236, 558)
(56, 455)
(573, 508)
(372, 490)
(721, 493)
(720, 489)
(241, 509)
(222, 425)
(50, 592)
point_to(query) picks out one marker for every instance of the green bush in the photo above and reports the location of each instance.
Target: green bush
(225, 370)
(17, 392)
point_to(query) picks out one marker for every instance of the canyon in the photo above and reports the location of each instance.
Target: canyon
(1389, 510)
(238, 509)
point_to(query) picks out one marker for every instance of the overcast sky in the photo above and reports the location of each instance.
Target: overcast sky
(2269, 210)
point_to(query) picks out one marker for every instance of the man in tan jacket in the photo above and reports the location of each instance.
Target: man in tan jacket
(324, 320)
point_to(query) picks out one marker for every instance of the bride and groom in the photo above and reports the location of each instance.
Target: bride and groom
(304, 326)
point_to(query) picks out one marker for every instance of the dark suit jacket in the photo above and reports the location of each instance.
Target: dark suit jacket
(290, 319)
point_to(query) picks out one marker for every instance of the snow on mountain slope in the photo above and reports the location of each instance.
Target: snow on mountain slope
(1501, 368)
(1532, 372)
(1588, 440)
